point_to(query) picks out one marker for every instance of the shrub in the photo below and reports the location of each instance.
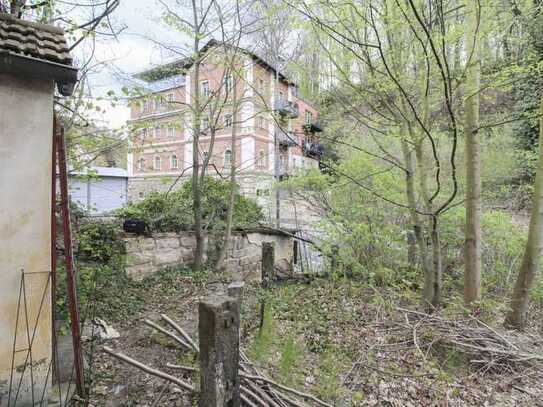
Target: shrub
(98, 242)
(172, 212)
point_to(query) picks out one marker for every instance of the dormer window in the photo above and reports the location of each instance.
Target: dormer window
(227, 120)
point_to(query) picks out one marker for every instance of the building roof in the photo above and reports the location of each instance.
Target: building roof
(36, 50)
(181, 65)
(102, 172)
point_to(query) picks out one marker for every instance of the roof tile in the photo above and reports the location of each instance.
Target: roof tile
(32, 39)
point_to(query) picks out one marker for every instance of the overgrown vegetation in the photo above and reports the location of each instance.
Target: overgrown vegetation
(172, 212)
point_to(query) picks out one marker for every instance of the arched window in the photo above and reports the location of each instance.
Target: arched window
(227, 158)
(141, 164)
(158, 163)
(174, 162)
(261, 158)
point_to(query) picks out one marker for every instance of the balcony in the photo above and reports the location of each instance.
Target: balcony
(313, 150)
(287, 109)
(287, 139)
(313, 127)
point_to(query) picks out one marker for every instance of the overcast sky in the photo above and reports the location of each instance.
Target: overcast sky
(134, 50)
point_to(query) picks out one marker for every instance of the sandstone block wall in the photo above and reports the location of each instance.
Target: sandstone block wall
(146, 255)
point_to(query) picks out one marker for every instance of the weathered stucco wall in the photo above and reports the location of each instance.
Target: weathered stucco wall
(146, 255)
(26, 124)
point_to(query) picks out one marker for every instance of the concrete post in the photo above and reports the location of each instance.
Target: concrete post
(268, 264)
(235, 290)
(219, 352)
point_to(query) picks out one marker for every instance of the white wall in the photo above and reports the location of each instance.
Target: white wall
(26, 125)
(247, 154)
(99, 195)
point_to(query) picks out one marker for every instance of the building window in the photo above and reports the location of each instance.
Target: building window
(205, 88)
(227, 158)
(260, 122)
(228, 83)
(170, 97)
(140, 194)
(158, 163)
(281, 97)
(261, 158)
(227, 120)
(260, 85)
(171, 132)
(157, 131)
(174, 162)
(144, 133)
(141, 164)
(205, 123)
(308, 117)
(145, 105)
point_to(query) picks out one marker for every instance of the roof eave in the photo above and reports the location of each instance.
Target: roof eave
(65, 76)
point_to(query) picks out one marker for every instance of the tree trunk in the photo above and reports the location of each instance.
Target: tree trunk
(196, 118)
(220, 266)
(472, 243)
(417, 236)
(16, 7)
(433, 268)
(516, 317)
(437, 272)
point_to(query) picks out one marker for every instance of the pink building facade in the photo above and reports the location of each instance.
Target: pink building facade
(265, 110)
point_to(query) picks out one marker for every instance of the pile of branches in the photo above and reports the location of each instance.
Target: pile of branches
(487, 348)
(257, 390)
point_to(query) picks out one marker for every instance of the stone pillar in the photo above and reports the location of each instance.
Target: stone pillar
(219, 352)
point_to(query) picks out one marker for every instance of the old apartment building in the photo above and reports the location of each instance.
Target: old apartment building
(268, 108)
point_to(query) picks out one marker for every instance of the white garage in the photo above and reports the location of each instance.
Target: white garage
(99, 190)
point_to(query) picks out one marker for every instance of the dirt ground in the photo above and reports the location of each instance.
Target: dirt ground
(328, 338)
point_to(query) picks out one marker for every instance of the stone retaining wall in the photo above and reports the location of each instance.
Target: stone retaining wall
(146, 255)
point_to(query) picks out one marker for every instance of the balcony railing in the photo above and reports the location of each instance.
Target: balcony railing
(287, 109)
(313, 150)
(287, 139)
(313, 127)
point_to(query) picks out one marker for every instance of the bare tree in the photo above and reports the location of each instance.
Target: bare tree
(531, 261)
(472, 246)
